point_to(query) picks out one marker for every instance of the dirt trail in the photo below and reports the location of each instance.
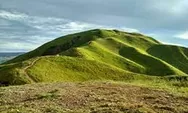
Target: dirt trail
(29, 66)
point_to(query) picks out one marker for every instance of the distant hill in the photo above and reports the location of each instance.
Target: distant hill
(8, 56)
(97, 55)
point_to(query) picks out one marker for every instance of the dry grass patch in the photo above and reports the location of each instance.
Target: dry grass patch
(93, 97)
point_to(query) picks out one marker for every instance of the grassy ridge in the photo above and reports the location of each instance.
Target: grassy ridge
(97, 55)
(176, 56)
(12, 74)
(63, 68)
(153, 66)
(60, 68)
(79, 39)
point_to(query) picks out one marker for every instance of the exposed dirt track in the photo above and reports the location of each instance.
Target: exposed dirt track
(94, 97)
(29, 66)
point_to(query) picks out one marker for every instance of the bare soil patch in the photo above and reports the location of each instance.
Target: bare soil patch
(92, 97)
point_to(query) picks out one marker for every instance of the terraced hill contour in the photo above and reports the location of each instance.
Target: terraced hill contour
(97, 55)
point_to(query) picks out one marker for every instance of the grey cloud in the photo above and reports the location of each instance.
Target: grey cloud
(44, 20)
(142, 14)
(28, 32)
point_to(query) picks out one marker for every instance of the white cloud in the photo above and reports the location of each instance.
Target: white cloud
(12, 15)
(182, 35)
(175, 44)
(130, 30)
(39, 30)
(16, 46)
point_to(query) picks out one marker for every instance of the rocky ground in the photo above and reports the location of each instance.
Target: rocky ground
(93, 97)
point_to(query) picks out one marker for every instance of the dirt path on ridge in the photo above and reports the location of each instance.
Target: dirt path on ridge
(29, 66)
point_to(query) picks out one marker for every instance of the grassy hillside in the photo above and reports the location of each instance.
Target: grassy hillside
(97, 55)
(176, 56)
(80, 39)
(62, 68)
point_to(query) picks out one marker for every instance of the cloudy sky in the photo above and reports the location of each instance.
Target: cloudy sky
(26, 24)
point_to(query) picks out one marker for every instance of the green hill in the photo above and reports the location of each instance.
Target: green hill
(174, 55)
(97, 55)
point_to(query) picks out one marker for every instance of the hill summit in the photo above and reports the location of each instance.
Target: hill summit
(96, 55)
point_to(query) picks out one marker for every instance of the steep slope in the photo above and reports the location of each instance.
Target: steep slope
(62, 68)
(96, 55)
(80, 39)
(176, 56)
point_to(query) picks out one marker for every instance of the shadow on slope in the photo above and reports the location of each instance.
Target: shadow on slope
(174, 55)
(152, 65)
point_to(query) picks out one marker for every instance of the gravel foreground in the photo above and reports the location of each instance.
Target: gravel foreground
(89, 97)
